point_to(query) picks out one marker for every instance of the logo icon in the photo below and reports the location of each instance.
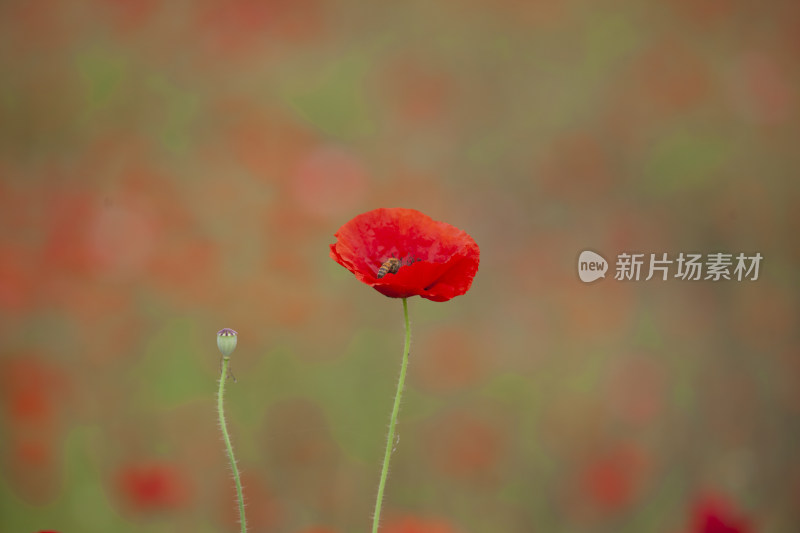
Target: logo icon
(591, 266)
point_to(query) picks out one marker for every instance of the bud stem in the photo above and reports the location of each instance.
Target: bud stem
(226, 437)
(392, 423)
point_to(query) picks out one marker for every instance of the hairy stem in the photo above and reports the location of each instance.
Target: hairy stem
(392, 423)
(227, 438)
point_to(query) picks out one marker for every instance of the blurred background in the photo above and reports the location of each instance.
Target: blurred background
(173, 168)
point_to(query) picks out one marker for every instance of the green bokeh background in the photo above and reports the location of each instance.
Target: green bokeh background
(172, 168)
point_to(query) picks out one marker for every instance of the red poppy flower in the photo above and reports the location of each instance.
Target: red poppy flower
(715, 515)
(153, 486)
(429, 258)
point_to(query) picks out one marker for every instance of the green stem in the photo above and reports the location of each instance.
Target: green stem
(392, 423)
(227, 438)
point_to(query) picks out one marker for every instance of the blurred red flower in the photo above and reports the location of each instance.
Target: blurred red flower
(32, 390)
(153, 487)
(436, 260)
(612, 480)
(468, 447)
(714, 515)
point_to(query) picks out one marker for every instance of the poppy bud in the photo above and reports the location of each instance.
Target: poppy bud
(226, 341)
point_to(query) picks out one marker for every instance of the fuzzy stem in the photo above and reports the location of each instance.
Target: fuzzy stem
(227, 438)
(392, 423)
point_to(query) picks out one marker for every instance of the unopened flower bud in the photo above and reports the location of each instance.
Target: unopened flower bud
(226, 341)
